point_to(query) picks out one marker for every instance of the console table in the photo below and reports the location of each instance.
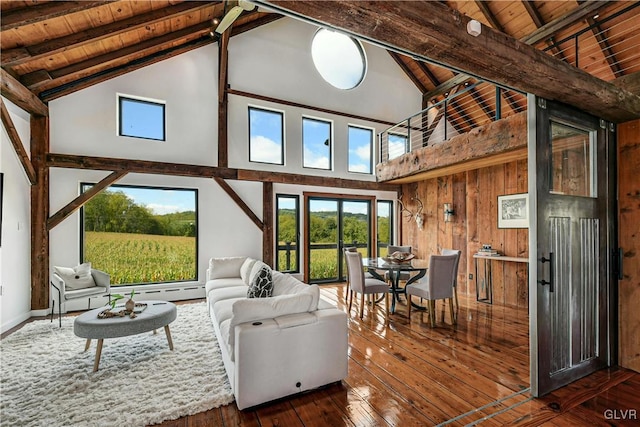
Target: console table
(487, 282)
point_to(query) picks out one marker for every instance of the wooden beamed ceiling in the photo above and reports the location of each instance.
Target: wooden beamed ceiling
(54, 48)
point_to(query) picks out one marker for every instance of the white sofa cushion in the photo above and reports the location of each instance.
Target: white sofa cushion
(286, 284)
(225, 267)
(245, 269)
(228, 282)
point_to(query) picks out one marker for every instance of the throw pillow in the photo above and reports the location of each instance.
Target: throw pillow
(261, 285)
(245, 270)
(78, 277)
(225, 267)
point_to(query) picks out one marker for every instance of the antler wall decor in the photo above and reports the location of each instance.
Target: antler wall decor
(417, 216)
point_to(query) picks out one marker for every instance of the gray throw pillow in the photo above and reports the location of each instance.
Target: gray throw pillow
(262, 284)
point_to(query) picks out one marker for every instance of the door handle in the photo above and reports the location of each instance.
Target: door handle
(551, 271)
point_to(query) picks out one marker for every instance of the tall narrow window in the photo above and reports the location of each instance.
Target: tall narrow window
(360, 149)
(397, 145)
(287, 226)
(384, 225)
(141, 235)
(266, 136)
(316, 143)
(141, 118)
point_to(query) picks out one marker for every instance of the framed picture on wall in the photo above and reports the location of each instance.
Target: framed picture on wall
(513, 211)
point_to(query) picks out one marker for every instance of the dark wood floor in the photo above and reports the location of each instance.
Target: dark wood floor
(407, 374)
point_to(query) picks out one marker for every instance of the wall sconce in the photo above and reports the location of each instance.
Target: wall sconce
(448, 212)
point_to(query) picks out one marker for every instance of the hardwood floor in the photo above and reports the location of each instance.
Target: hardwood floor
(407, 374)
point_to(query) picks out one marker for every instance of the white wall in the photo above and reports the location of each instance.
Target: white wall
(272, 60)
(275, 61)
(15, 252)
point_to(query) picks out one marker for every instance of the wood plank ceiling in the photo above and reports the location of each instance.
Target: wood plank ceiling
(58, 47)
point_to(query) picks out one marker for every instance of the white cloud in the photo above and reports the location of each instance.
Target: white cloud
(265, 150)
(396, 149)
(360, 167)
(364, 152)
(314, 160)
(159, 209)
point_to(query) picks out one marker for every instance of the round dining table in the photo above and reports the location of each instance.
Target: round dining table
(375, 265)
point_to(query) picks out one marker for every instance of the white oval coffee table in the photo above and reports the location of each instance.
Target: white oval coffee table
(158, 314)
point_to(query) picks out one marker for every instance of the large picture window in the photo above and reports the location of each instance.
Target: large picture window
(384, 225)
(141, 118)
(141, 235)
(316, 143)
(287, 226)
(360, 149)
(266, 136)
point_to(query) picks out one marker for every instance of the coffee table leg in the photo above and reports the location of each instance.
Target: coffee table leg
(96, 363)
(166, 330)
(87, 345)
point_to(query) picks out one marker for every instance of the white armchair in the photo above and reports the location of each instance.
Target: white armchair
(78, 282)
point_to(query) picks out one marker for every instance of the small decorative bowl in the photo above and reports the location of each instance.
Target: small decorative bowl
(399, 257)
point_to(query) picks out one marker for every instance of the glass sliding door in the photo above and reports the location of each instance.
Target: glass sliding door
(287, 226)
(384, 225)
(332, 225)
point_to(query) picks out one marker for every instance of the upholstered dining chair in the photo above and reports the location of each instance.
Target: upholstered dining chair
(404, 275)
(367, 275)
(438, 284)
(78, 282)
(364, 286)
(455, 282)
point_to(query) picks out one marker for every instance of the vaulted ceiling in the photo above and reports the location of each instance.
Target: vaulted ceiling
(54, 48)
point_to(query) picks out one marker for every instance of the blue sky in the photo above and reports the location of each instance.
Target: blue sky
(142, 119)
(161, 201)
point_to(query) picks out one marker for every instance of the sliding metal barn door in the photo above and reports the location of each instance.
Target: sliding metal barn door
(574, 173)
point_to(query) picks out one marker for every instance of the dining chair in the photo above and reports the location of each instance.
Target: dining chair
(364, 286)
(367, 275)
(455, 282)
(438, 284)
(404, 275)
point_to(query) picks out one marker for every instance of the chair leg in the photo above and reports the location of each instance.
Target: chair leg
(53, 308)
(60, 313)
(386, 305)
(432, 313)
(409, 307)
(454, 317)
(350, 300)
(362, 306)
(455, 295)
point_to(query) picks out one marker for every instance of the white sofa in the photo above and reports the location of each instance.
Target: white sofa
(276, 346)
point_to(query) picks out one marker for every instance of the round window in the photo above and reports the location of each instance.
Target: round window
(338, 58)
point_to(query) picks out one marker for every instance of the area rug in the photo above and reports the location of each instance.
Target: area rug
(47, 378)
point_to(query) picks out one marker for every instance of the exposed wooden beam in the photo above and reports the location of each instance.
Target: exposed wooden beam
(630, 82)
(39, 196)
(427, 72)
(490, 112)
(551, 28)
(43, 11)
(267, 18)
(195, 171)
(404, 67)
(494, 143)
(238, 200)
(17, 56)
(267, 230)
(17, 143)
(99, 63)
(15, 92)
(83, 198)
(428, 30)
(533, 13)
(223, 99)
(316, 181)
(448, 85)
(484, 8)
(90, 80)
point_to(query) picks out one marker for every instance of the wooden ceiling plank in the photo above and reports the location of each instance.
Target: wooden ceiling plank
(551, 28)
(416, 81)
(484, 8)
(533, 13)
(13, 57)
(41, 12)
(239, 202)
(17, 143)
(85, 82)
(83, 198)
(607, 51)
(428, 30)
(425, 69)
(490, 112)
(85, 67)
(15, 92)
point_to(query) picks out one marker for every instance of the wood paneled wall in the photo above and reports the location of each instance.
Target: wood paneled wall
(474, 195)
(629, 241)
